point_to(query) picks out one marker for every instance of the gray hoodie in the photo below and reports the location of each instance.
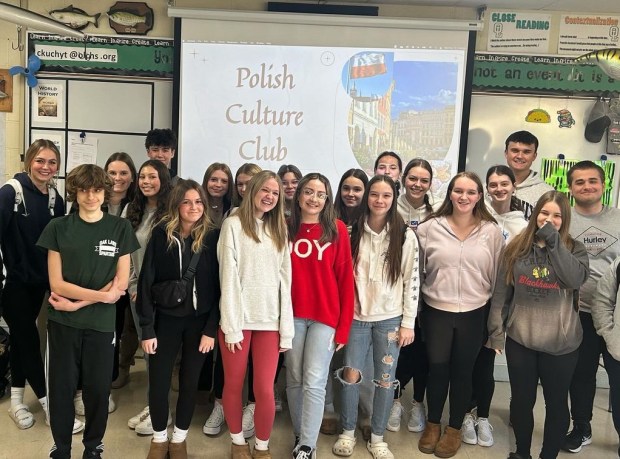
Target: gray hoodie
(529, 191)
(605, 314)
(539, 310)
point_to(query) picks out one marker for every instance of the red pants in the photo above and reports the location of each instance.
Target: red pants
(265, 347)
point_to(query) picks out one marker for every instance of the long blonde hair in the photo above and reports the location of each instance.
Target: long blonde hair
(520, 245)
(172, 219)
(275, 223)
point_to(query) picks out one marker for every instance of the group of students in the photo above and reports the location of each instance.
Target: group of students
(405, 285)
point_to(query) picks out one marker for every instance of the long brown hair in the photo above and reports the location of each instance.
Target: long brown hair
(520, 245)
(172, 219)
(395, 225)
(137, 207)
(250, 169)
(327, 217)
(125, 158)
(346, 214)
(227, 198)
(275, 224)
(480, 211)
(424, 164)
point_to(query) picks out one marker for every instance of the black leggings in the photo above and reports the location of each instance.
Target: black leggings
(453, 340)
(21, 305)
(172, 332)
(525, 368)
(413, 363)
(483, 382)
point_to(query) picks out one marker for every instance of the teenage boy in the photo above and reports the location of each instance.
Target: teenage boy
(598, 228)
(606, 318)
(521, 151)
(88, 263)
(161, 145)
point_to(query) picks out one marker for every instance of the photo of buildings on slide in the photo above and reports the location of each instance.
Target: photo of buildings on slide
(404, 106)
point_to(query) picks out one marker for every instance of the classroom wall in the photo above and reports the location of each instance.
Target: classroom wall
(12, 124)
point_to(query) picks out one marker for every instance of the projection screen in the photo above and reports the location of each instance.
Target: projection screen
(325, 93)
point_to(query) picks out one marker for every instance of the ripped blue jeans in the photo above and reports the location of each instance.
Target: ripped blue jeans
(384, 338)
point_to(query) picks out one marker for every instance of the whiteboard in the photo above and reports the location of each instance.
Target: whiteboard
(110, 106)
(117, 112)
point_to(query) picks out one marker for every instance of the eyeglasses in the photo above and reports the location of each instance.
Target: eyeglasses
(318, 194)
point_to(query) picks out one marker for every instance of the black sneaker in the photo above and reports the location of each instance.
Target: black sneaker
(581, 435)
(304, 452)
(518, 456)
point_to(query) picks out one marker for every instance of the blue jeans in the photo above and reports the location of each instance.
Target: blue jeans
(383, 336)
(307, 369)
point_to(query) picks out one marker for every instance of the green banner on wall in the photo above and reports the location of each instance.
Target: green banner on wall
(104, 55)
(536, 74)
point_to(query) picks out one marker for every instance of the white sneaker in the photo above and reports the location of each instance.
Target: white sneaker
(138, 418)
(247, 421)
(417, 417)
(146, 426)
(78, 403)
(216, 420)
(78, 425)
(111, 405)
(278, 399)
(468, 430)
(393, 424)
(485, 432)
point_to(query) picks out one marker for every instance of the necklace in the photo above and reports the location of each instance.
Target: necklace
(312, 227)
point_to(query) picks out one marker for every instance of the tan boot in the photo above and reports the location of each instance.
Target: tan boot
(178, 450)
(240, 451)
(261, 453)
(158, 450)
(449, 443)
(430, 437)
(329, 424)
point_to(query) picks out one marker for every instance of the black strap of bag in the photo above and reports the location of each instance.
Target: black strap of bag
(190, 272)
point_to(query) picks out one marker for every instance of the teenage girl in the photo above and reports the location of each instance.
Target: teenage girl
(535, 307)
(414, 206)
(290, 176)
(191, 325)
(461, 244)
(26, 271)
(214, 423)
(257, 316)
(121, 169)
(385, 254)
(348, 206)
(389, 163)
(218, 186)
(320, 249)
(148, 207)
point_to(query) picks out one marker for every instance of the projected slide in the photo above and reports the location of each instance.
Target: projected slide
(322, 109)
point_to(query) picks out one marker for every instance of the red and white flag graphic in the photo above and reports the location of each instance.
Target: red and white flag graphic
(366, 65)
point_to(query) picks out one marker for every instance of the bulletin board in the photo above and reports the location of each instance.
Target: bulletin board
(495, 117)
(116, 113)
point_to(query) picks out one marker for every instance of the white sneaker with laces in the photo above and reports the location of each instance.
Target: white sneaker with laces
(138, 418)
(417, 417)
(213, 425)
(146, 426)
(485, 432)
(111, 405)
(468, 430)
(247, 421)
(78, 425)
(393, 424)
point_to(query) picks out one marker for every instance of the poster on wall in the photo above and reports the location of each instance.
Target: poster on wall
(581, 34)
(519, 32)
(48, 102)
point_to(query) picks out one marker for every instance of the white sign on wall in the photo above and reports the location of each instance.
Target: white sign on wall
(518, 32)
(580, 34)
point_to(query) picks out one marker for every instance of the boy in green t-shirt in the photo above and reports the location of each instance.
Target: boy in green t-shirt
(88, 262)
